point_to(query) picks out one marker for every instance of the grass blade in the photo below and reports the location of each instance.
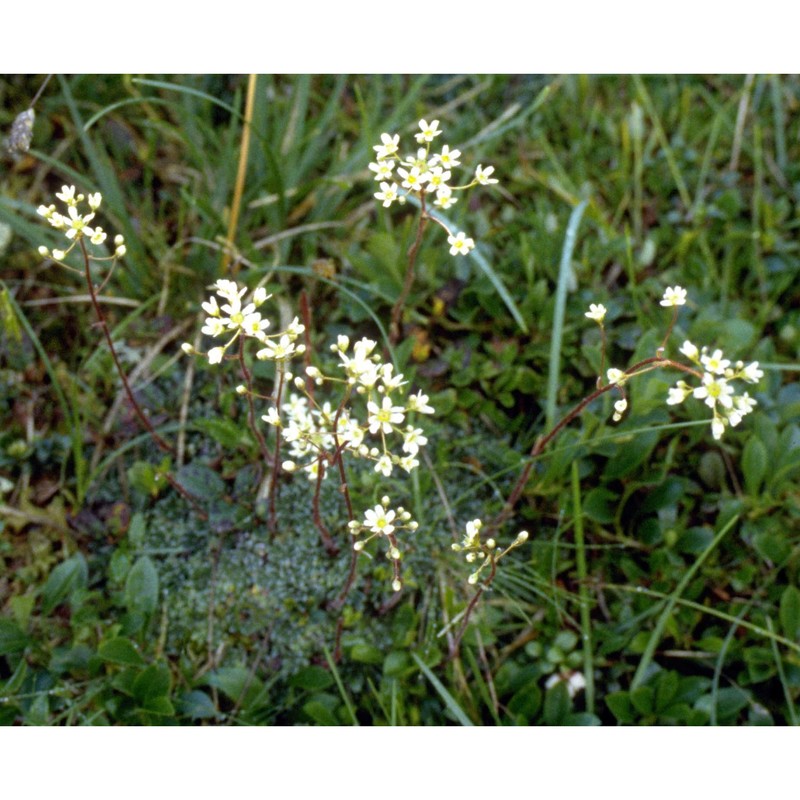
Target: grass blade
(565, 276)
(454, 708)
(672, 599)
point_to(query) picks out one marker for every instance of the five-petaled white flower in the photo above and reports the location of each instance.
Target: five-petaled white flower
(482, 175)
(597, 312)
(427, 132)
(379, 520)
(388, 146)
(714, 390)
(387, 194)
(460, 244)
(674, 296)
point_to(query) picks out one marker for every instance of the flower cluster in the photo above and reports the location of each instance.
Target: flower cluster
(383, 521)
(716, 389)
(486, 552)
(424, 174)
(312, 429)
(716, 373)
(75, 223)
(235, 319)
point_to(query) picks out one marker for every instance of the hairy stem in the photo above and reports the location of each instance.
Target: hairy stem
(397, 310)
(123, 377)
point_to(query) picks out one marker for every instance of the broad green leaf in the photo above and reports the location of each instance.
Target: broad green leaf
(313, 678)
(120, 651)
(754, 465)
(63, 580)
(154, 681)
(790, 613)
(141, 587)
(12, 638)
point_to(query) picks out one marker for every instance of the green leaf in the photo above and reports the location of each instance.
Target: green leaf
(790, 613)
(152, 682)
(201, 481)
(223, 430)
(159, 705)
(754, 465)
(63, 580)
(120, 651)
(237, 684)
(449, 700)
(12, 638)
(366, 653)
(313, 678)
(197, 705)
(142, 478)
(642, 699)
(320, 713)
(557, 704)
(141, 587)
(620, 706)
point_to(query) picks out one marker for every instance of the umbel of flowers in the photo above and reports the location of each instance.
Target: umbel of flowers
(75, 223)
(372, 422)
(427, 174)
(716, 374)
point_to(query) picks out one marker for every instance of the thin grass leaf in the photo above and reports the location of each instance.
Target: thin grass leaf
(454, 708)
(485, 267)
(655, 636)
(566, 280)
(342, 693)
(583, 590)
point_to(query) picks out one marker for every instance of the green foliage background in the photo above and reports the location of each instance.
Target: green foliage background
(662, 566)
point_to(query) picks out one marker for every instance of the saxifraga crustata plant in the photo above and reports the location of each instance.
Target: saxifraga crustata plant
(366, 412)
(426, 176)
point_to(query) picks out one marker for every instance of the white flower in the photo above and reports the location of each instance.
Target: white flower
(677, 394)
(215, 355)
(67, 195)
(98, 237)
(596, 312)
(437, 180)
(382, 169)
(388, 146)
(715, 363)
(444, 198)
(460, 243)
(260, 296)
(278, 351)
(412, 179)
(616, 376)
(713, 391)
(717, 427)
(94, 200)
(674, 296)
(619, 409)
(388, 194)
(408, 463)
(482, 175)
(382, 418)
(272, 417)
(419, 402)
(213, 327)
(447, 158)
(752, 374)
(690, 351)
(471, 537)
(384, 465)
(78, 225)
(379, 520)
(427, 132)
(413, 440)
